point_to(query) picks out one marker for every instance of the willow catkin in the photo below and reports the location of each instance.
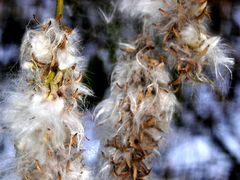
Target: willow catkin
(134, 118)
(41, 110)
(137, 113)
(182, 27)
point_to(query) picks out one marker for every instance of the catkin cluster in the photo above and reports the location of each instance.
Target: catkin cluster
(175, 40)
(41, 109)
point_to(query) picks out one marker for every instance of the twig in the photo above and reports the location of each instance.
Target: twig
(59, 8)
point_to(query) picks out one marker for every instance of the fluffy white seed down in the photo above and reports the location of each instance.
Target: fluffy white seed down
(124, 106)
(141, 8)
(107, 113)
(217, 52)
(43, 44)
(40, 109)
(41, 47)
(187, 21)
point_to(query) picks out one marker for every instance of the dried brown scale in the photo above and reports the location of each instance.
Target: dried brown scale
(194, 14)
(135, 166)
(59, 177)
(140, 144)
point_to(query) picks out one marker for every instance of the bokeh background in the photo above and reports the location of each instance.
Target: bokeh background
(204, 141)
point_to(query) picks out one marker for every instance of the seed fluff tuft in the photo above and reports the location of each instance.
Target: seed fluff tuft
(40, 108)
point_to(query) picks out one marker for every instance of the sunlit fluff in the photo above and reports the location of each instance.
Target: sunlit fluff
(41, 111)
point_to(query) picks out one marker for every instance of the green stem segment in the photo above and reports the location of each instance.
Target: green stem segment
(59, 10)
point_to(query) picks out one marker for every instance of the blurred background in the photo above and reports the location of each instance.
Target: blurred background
(204, 142)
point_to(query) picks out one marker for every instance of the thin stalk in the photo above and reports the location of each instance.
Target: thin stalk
(59, 8)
